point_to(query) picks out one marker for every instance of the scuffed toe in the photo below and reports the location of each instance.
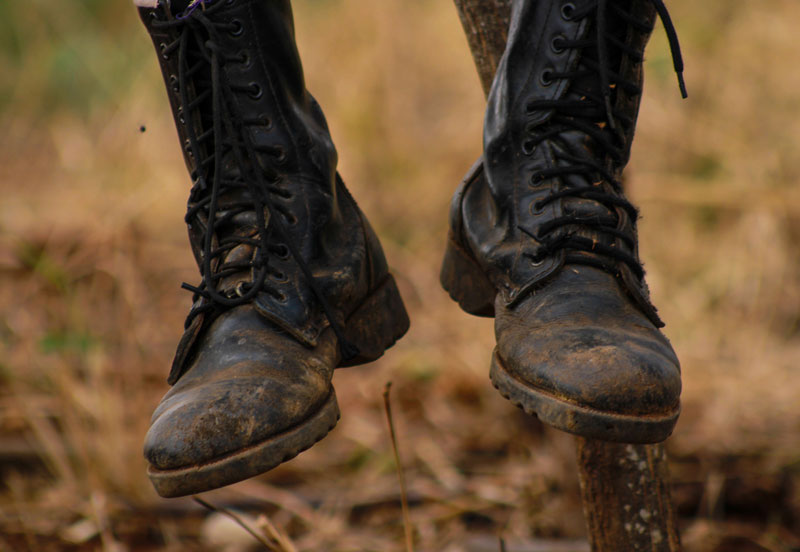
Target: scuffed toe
(580, 355)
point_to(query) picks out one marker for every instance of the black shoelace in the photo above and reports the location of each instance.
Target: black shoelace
(594, 116)
(199, 58)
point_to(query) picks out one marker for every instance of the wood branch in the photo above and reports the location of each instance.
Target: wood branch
(625, 488)
(626, 497)
(485, 23)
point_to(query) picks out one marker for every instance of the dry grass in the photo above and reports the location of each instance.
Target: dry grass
(92, 251)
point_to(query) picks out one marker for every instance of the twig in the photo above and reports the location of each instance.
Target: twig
(403, 494)
(275, 541)
(273, 533)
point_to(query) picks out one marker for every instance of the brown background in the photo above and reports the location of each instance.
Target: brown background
(93, 250)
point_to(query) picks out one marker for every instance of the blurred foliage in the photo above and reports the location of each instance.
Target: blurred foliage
(58, 342)
(71, 56)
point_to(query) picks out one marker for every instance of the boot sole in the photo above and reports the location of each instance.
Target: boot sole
(580, 420)
(373, 327)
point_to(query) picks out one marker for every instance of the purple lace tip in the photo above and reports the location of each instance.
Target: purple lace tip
(193, 6)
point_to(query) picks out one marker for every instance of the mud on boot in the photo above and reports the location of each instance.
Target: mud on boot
(542, 236)
(293, 280)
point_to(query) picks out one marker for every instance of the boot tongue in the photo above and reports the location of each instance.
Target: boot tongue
(240, 226)
(585, 210)
(589, 84)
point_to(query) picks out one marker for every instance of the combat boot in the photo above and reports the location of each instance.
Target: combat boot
(542, 236)
(294, 282)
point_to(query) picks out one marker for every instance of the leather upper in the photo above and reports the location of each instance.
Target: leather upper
(291, 158)
(584, 343)
(246, 383)
(501, 211)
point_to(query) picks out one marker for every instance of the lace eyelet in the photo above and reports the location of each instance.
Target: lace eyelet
(284, 252)
(279, 192)
(163, 48)
(290, 218)
(567, 11)
(279, 277)
(528, 147)
(546, 77)
(244, 60)
(280, 159)
(173, 82)
(537, 208)
(267, 122)
(236, 28)
(557, 44)
(536, 179)
(256, 91)
(535, 263)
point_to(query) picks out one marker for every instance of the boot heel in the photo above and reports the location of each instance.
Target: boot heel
(466, 283)
(377, 324)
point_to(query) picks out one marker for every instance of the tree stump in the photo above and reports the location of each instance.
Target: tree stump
(625, 488)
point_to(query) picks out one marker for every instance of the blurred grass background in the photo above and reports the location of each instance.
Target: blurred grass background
(93, 250)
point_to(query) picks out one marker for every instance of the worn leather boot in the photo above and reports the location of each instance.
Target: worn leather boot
(294, 282)
(542, 237)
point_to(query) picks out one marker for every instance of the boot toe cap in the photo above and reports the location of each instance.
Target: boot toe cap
(599, 369)
(205, 423)
(247, 383)
(587, 345)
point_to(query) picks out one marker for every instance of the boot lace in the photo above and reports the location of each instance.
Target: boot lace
(593, 115)
(223, 134)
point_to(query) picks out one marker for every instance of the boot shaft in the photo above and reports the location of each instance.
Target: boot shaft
(570, 51)
(559, 125)
(239, 57)
(270, 221)
(251, 133)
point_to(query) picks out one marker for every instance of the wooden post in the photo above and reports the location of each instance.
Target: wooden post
(626, 498)
(486, 24)
(625, 488)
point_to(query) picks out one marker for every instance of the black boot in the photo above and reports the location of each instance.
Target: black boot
(294, 282)
(542, 236)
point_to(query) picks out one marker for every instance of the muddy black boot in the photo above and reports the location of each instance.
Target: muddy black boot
(542, 237)
(294, 282)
